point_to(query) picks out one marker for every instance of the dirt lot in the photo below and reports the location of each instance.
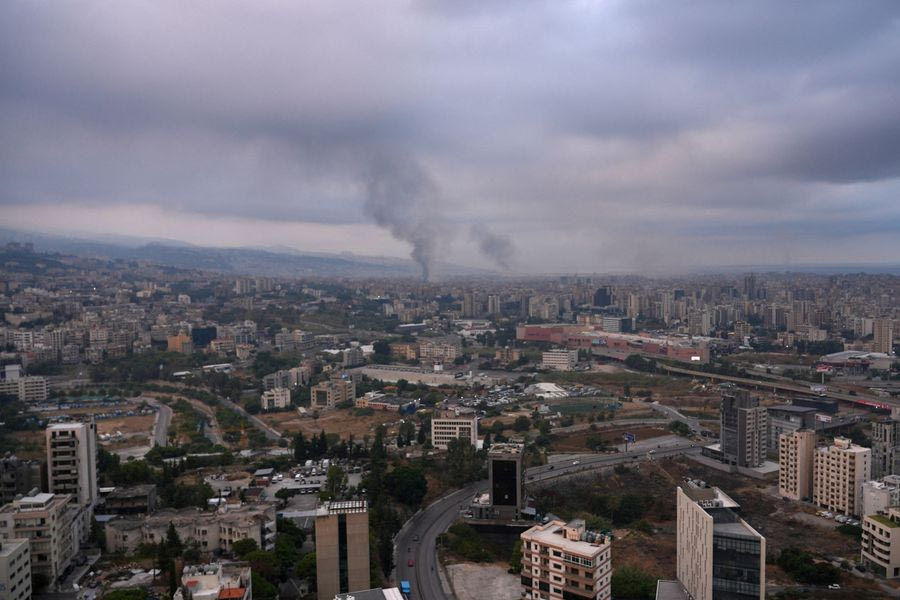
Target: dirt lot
(137, 424)
(342, 422)
(577, 441)
(477, 582)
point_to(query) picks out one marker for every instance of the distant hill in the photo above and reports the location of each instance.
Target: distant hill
(276, 262)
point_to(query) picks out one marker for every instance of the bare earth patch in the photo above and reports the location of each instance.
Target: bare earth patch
(341, 422)
(477, 582)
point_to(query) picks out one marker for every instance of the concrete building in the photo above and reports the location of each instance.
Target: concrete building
(134, 500)
(18, 477)
(565, 561)
(881, 543)
(216, 581)
(839, 472)
(559, 360)
(719, 554)
(180, 343)
(444, 349)
(342, 548)
(506, 480)
(885, 438)
(275, 398)
(47, 521)
(329, 394)
(31, 390)
(795, 464)
(878, 495)
(72, 461)
(213, 531)
(446, 429)
(352, 357)
(787, 418)
(743, 429)
(15, 569)
(883, 335)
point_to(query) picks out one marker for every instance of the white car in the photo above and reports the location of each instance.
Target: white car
(834, 586)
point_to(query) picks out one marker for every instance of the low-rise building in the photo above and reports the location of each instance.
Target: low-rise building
(879, 494)
(881, 543)
(839, 472)
(445, 430)
(444, 349)
(32, 389)
(275, 399)
(216, 581)
(15, 569)
(329, 394)
(18, 477)
(565, 561)
(134, 500)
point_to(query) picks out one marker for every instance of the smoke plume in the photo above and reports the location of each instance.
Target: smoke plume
(495, 246)
(402, 198)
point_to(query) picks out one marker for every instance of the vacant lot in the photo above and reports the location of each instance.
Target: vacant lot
(341, 422)
(477, 582)
(136, 424)
(577, 441)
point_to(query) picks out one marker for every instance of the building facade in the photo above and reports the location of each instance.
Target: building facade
(787, 418)
(795, 464)
(883, 335)
(274, 399)
(47, 521)
(506, 487)
(342, 548)
(743, 429)
(15, 569)
(18, 476)
(445, 430)
(559, 360)
(839, 472)
(565, 561)
(885, 437)
(719, 554)
(878, 495)
(72, 461)
(329, 394)
(881, 543)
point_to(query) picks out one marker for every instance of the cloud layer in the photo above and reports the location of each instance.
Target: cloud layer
(563, 135)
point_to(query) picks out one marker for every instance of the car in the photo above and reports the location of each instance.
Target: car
(551, 468)
(576, 462)
(410, 562)
(834, 586)
(416, 538)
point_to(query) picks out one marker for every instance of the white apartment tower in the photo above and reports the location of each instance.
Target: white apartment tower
(72, 461)
(839, 472)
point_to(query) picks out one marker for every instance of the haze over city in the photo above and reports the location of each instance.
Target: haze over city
(519, 136)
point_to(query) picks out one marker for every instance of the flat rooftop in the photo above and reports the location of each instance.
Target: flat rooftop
(552, 534)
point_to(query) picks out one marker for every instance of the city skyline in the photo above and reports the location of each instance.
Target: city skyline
(523, 137)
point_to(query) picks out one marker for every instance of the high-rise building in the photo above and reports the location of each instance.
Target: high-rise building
(565, 561)
(603, 296)
(493, 304)
(885, 439)
(46, 520)
(839, 472)
(15, 569)
(883, 335)
(743, 429)
(795, 464)
(446, 429)
(719, 554)
(342, 548)
(787, 418)
(507, 485)
(72, 461)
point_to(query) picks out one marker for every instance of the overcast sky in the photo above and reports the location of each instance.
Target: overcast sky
(531, 136)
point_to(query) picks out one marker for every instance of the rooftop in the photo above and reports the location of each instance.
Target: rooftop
(373, 594)
(342, 508)
(554, 534)
(670, 590)
(883, 520)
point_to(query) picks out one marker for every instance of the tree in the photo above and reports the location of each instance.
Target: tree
(173, 541)
(263, 563)
(630, 583)
(306, 568)
(515, 558)
(242, 548)
(262, 589)
(335, 482)
(521, 424)
(463, 465)
(301, 448)
(408, 485)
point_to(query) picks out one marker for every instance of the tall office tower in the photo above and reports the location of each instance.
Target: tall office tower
(750, 286)
(603, 296)
(839, 472)
(468, 305)
(719, 556)
(15, 569)
(743, 431)
(795, 464)
(342, 548)
(883, 332)
(72, 461)
(493, 304)
(885, 437)
(565, 561)
(507, 485)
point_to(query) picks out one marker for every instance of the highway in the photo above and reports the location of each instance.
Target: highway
(160, 436)
(425, 526)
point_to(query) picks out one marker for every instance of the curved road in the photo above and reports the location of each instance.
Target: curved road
(425, 526)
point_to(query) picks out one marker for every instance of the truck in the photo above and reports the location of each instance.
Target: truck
(820, 390)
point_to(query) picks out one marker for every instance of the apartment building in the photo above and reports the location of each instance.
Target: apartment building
(213, 531)
(444, 349)
(31, 389)
(719, 554)
(329, 394)
(47, 521)
(18, 476)
(839, 472)
(878, 495)
(795, 464)
(787, 418)
(134, 500)
(342, 548)
(404, 351)
(181, 343)
(565, 561)
(72, 461)
(446, 429)
(743, 429)
(883, 335)
(216, 581)
(275, 398)
(15, 569)
(559, 360)
(881, 543)
(287, 378)
(885, 439)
